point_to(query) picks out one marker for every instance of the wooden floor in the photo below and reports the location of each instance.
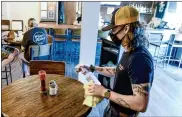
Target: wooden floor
(165, 96)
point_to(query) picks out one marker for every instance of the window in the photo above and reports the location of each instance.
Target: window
(173, 15)
(48, 11)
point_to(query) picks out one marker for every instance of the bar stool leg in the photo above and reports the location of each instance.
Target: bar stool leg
(6, 75)
(10, 72)
(155, 51)
(23, 69)
(170, 55)
(180, 61)
(166, 55)
(157, 57)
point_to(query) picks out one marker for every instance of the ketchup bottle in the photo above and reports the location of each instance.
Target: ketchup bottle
(42, 76)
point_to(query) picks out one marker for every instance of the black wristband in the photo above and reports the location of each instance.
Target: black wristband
(92, 68)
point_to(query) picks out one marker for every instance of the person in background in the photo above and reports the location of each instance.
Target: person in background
(24, 56)
(31, 24)
(8, 54)
(34, 36)
(134, 72)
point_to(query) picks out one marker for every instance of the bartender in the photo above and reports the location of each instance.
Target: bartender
(135, 70)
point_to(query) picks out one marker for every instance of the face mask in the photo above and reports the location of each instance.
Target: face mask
(115, 39)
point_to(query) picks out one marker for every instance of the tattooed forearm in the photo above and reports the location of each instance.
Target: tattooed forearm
(106, 70)
(99, 69)
(141, 92)
(141, 89)
(122, 102)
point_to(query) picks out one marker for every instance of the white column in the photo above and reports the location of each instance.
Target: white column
(57, 7)
(89, 32)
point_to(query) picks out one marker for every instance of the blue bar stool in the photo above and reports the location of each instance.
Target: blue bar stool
(176, 42)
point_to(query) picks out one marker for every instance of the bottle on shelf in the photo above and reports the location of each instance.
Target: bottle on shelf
(144, 9)
(150, 10)
(141, 9)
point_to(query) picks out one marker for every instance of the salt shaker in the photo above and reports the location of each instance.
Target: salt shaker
(53, 87)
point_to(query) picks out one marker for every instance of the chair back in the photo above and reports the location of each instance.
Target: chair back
(5, 25)
(40, 52)
(155, 37)
(51, 67)
(174, 38)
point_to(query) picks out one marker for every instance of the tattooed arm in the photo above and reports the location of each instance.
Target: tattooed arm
(138, 101)
(140, 74)
(106, 71)
(140, 70)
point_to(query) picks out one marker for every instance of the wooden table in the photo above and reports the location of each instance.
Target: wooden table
(13, 42)
(23, 98)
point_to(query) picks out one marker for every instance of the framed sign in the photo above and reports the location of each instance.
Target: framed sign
(48, 11)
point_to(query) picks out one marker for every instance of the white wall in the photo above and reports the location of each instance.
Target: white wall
(5, 14)
(21, 11)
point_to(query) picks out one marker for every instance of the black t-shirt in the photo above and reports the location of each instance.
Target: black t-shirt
(35, 36)
(134, 68)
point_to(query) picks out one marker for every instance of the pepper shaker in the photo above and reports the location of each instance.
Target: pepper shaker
(53, 87)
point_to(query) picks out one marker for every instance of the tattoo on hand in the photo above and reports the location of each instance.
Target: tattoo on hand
(114, 70)
(108, 70)
(141, 89)
(122, 102)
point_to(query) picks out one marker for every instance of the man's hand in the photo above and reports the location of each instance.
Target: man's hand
(106, 71)
(96, 90)
(82, 68)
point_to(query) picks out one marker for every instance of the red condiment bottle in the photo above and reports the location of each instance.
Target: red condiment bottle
(42, 76)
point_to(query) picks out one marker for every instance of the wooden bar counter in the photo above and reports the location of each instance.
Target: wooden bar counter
(53, 25)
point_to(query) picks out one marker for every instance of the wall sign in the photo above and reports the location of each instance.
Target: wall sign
(161, 7)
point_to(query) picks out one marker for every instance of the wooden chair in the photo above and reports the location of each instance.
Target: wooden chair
(161, 47)
(5, 28)
(7, 67)
(38, 52)
(175, 43)
(51, 67)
